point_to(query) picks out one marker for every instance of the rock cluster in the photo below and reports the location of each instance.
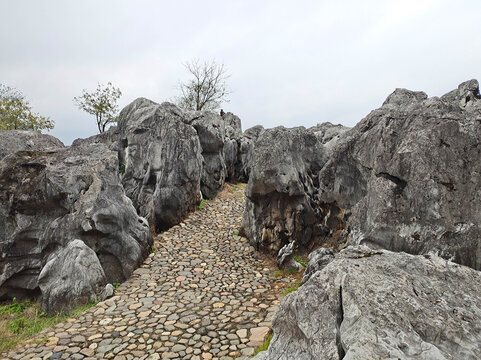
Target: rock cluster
(406, 178)
(371, 304)
(48, 201)
(282, 192)
(73, 220)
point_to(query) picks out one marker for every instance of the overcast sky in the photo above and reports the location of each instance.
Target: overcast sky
(291, 62)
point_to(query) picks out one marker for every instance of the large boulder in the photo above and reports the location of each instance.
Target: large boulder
(50, 198)
(368, 304)
(231, 144)
(162, 161)
(282, 204)
(73, 275)
(12, 141)
(245, 150)
(211, 130)
(408, 176)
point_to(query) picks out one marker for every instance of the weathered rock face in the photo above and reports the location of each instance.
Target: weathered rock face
(231, 144)
(50, 198)
(282, 204)
(405, 178)
(285, 258)
(73, 275)
(12, 141)
(245, 146)
(368, 304)
(163, 162)
(109, 138)
(408, 175)
(211, 131)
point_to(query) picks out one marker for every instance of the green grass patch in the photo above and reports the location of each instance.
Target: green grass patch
(300, 261)
(282, 273)
(201, 205)
(116, 286)
(292, 289)
(21, 320)
(265, 344)
(15, 307)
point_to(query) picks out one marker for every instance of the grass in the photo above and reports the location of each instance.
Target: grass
(265, 344)
(300, 261)
(282, 273)
(21, 320)
(292, 288)
(116, 286)
(201, 205)
(153, 250)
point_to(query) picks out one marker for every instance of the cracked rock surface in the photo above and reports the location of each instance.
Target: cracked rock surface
(48, 199)
(408, 175)
(367, 304)
(405, 178)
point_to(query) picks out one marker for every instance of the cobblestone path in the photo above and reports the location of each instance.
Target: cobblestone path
(203, 294)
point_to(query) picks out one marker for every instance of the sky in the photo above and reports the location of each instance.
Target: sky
(291, 63)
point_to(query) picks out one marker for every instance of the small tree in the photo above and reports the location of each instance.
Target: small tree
(16, 113)
(207, 89)
(102, 103)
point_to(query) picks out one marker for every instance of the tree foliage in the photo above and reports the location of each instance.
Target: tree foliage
(16, 112)
(102, 103)
(207, 89)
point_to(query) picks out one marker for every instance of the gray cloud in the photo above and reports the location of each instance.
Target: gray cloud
(292, 63)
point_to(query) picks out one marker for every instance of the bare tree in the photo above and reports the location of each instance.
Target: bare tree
(102, 103)
(207, 89)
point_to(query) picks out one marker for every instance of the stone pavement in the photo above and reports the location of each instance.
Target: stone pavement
(203, 294)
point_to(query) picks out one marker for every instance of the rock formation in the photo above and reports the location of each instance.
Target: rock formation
(12, 141)
(367, 304)
(173, 157)
(211, 131)
(406, 178)
(285, 258)
(245, 146)
(162, 159)
(49, 199)
(74, 275)
(282, 201)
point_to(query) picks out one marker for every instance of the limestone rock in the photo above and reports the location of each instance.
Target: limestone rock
(163, 162)
(245, 146)
(72, 276)
(318, 260)
(368, 304)
(285, 258)
(12, 141)
(211, 131)
(408, 178)
(50, 198)
(281, 193)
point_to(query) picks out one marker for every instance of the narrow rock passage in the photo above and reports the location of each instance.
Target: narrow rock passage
(203, 294)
